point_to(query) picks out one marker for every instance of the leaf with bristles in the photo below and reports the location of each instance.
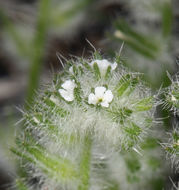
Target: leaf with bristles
(145, 104)
(21, 185)
(53, 166)
(96, 71)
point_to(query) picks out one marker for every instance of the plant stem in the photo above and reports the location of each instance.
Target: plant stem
(38, 51)
(85, 164)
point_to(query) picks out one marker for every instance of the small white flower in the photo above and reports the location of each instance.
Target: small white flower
(103, 65)
(68, 90)
(173, 99)
(177, 143)
(71, 70)
(101, 97)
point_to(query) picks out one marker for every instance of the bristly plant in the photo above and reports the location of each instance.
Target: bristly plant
(171, 104)
(94, 116)
(149, 47)
(171, 96)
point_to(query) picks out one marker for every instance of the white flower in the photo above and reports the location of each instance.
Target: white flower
(173, 99)
(68, 90)
(71, 70)
(103, 65)
(101, 97)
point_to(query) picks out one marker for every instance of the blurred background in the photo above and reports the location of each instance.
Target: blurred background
(34, 32)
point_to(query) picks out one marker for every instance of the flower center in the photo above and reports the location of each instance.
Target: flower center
(100, 100)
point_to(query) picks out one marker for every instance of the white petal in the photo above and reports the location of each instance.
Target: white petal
(105, 104)
(70, 98)
(92, 99)
(99, 91)
(91, 63)
(108, 96)
(69, 85)
(103, 64)
(113, 66)
(173, 98)
(66, 95)
(71, 69)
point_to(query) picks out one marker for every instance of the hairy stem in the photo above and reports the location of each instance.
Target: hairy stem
(85, 164)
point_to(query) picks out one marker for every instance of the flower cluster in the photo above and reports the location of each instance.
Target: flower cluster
(93, 110)
(172, 146)
(171, 104)
(171, 96)
(101, 97)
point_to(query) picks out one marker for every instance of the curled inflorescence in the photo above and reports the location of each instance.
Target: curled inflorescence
(93, 110)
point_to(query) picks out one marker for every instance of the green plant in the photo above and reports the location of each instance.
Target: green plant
(31, 47)
(94, 116)
(171, 103)
(147, 33)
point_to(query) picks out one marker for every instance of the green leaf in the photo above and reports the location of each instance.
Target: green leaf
(19, 42)
(52, 130)
(22, 155)
(62, 17)
(78, 93)
(137, 41)
(81, 70)
(145, 104)
(175, 136)
(123, 84)
(132, 178)
(134, 82)
(87, 66)
(96, 71)
(154, 163)
(62, 112)
(108, 72)
(20, 185)
(75, 70)
(53, 166)
(124, 27)
(121, 114)
(133, 163)
(167, 18)
(157, 184)
(127, 84)
(149, 143)
(113, 186)
(133, 131)
(97, 55)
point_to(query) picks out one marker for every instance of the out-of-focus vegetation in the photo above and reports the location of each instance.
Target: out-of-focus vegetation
(49, 15)
(149, 38)
(31, 32)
